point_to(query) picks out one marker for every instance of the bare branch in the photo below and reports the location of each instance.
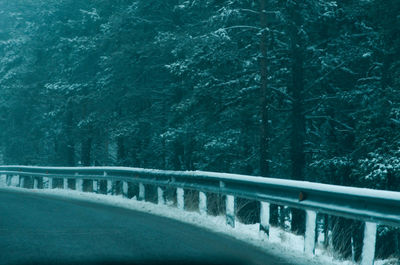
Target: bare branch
(324, 76)
(331, 119)
(244, 27)
(249, 10)
(282, 93)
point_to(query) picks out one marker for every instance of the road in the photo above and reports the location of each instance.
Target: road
(44, 229)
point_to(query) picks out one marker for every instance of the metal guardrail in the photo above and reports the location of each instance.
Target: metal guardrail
(374, 207)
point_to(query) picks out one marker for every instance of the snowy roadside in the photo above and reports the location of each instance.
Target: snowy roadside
(279, 242)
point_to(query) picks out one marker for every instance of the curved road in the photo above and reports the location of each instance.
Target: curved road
(43, 229)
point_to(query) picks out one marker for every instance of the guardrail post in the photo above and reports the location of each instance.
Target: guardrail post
(230, 210)
(3, 178)
(180, 198)
(369, 242)
(264, 217)
(8, 180)
(142, 192)
(202, 203)
(21, 181)
(35, 183)
(95, 186)
(109, 187)
(160, 196)
(65, 183)
(125, 189)
(309, 236)
(78, 183)
(50, 183)
(45, 182)
(14, 180)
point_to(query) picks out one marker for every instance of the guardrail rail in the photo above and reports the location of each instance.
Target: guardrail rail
(374, 207)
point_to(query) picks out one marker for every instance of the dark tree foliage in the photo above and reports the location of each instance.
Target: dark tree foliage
(305, 90)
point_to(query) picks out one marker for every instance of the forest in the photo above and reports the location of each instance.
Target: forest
(294, 89)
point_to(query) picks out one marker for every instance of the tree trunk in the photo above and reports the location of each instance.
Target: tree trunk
(264, 95)
(178, 152)
(70, 152)
(297, 155)
(121, 156)
(188, 152)
(86, 148)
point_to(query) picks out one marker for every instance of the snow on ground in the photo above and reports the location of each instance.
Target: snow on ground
(278, 243)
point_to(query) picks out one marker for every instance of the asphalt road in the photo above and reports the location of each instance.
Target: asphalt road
(43, 229)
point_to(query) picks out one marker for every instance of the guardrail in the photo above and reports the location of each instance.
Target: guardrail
(374, 207)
